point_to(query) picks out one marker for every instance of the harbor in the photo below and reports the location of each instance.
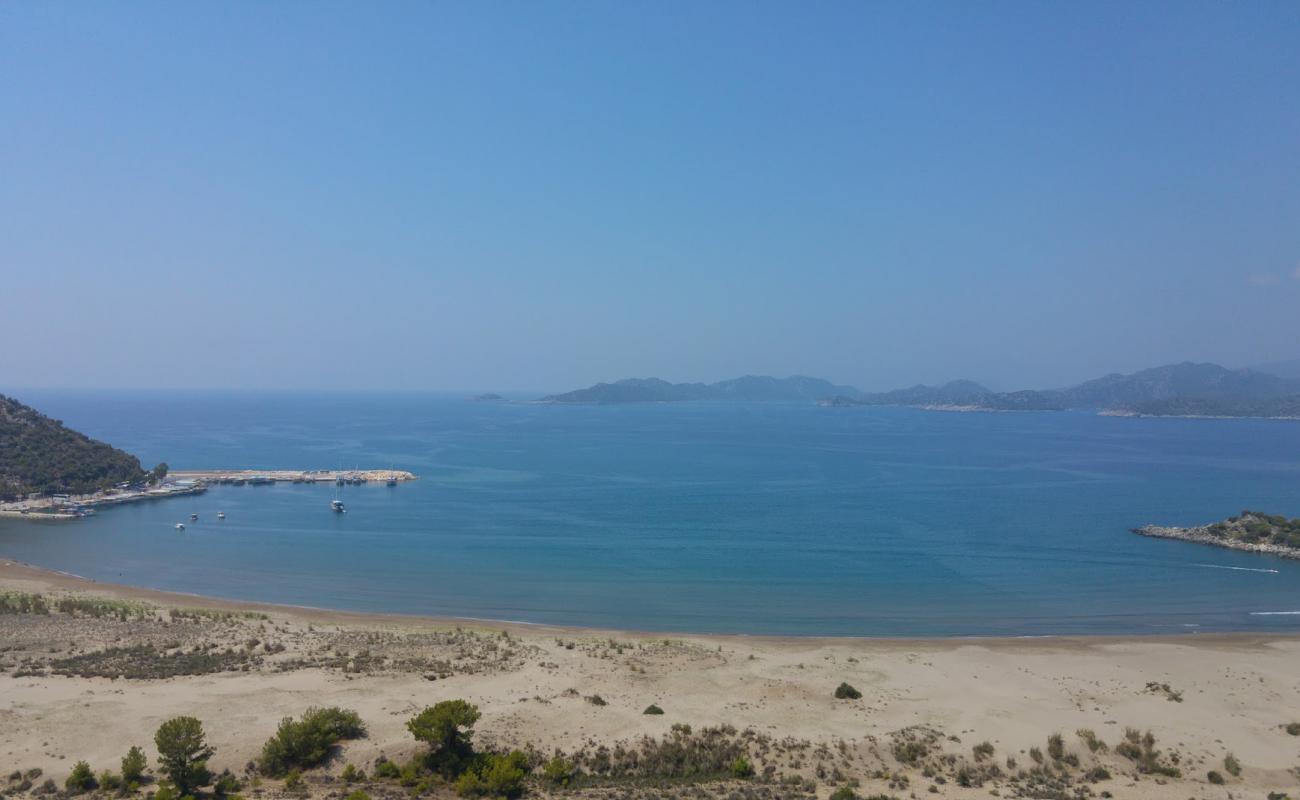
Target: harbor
(63, 507)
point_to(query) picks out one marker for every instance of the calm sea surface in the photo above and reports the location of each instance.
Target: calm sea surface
(784, 519)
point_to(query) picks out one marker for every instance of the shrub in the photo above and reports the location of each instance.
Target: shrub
(357, 794)
(1036, 755)
(307, 742)
(1055, 746)
(494, 775)
(597, 700)
(844, 793)
(741, 768)
(447, 728)
(982, 750)
(653, 709)
(1097, 774)
(1232, 765)
(1293, 728)
(559, 771)
(1089, 738)
(227, 784)
(182, 753)
(133, 765)
(165, 792)
(1214, 778)
(352, 775)
(846, 692)
(110, 782)
(387, 769)
(293, 780)
(81, 779)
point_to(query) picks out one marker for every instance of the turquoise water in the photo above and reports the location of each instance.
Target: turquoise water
(697, 517)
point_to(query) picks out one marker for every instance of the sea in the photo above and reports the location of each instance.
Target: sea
(772, 519)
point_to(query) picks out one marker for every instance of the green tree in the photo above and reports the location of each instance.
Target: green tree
(495, 776)
(133, 764)
(447, 728)
(81, 779)
(182, 753)
(307, 742)
(159, 472)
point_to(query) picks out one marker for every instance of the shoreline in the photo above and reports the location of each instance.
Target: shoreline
(12, 570)
(87, 678)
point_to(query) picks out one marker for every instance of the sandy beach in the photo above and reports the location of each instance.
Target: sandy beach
(1202, 697)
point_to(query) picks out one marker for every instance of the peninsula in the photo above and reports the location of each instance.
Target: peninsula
(1252, 531)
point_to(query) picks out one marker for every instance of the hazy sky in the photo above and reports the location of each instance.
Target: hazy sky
(534, 195)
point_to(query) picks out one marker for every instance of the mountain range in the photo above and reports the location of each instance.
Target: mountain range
(1187, 388)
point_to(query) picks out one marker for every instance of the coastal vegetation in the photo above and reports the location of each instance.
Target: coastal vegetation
(1254, 531)
(307, 742)
(183, 753)
(40, 455)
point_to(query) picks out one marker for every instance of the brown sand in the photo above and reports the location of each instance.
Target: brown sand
(1237, 690)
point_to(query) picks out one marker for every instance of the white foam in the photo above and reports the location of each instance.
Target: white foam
(1242, 569)
(1275, 613)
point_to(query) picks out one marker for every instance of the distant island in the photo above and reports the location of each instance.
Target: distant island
(1253, 531)
(39, 455)
(750, 388)
(1186, 389)
(486, 398)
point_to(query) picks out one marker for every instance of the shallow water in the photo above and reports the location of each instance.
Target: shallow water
(785, 519)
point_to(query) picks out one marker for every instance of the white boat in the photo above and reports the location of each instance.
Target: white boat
(193, 517)
(180, 526)
(221, 515)
(337, 506)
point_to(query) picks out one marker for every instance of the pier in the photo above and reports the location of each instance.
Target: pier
(255, 477)
(188, 482)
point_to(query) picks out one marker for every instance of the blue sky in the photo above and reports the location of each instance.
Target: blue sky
(543, 195)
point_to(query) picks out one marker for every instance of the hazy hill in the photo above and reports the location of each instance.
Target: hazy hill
(750, 388)
(38, 454)
(1187, 388)
(1177, 380)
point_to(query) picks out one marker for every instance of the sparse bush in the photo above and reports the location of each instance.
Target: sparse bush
(110, 782)
(1214, 778)
(307, 742)
(166, 792)
(559, 771)
(133, 765)
(982, 750)
(351, 774)
(1293, 728)
(596, 700)
(1036, 755)
(81, 779)
(741, 768)
(844, 793)
(293, 780)
(1089, 738)
(1097, 774)
(387, 769)
(846, 692)
(182, 753)
(1232, 765)
(653, 710)
(357, 794)
(1055, 746)
(494, 775)
(226, 785)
